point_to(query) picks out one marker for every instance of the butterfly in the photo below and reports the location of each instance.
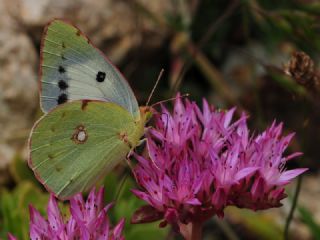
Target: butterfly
(92, 119)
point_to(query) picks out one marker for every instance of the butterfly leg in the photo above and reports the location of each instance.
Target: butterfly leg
(142, 141)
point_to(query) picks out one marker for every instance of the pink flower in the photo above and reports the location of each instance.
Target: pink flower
(200, 161)
(264, 152)
(88, 220)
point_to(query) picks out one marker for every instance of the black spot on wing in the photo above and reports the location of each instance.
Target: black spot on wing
(62, 98)
(63, 45)
(63, 85)
(100, 76)
(61, 69)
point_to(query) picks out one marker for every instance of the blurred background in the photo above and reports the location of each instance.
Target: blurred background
(239, 53)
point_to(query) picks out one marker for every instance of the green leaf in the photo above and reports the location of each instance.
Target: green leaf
(20, 171)
(14, 208)
(310, 222)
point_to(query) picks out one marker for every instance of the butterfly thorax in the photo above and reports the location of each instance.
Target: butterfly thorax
(146, 113)
(133, 139)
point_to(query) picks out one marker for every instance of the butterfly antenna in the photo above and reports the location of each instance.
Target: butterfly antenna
(155, 86)
(170, 99)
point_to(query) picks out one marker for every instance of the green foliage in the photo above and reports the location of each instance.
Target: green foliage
(309, 220)
(262, 226)
(21, 172)
(14, 208)
(287, 84)
(14, 204)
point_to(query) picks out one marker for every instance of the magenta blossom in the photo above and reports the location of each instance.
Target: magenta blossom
(201, 161)
(88, 221)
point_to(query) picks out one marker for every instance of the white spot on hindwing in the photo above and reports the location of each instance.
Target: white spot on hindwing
(80, 134)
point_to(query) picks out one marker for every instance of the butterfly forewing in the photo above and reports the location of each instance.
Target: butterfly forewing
(72, 68)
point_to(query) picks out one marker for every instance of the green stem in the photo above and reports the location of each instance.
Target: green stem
(226, 228)
(293, 207)
(120, 187)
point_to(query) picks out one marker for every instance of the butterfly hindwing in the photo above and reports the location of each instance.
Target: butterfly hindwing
(78, 142)
(72, 68)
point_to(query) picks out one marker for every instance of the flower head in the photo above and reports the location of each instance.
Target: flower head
(88, 220)
(200, 161)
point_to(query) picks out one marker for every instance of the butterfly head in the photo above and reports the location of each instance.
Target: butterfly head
(146, 113)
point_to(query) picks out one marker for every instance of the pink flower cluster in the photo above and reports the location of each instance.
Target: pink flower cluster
(88, 221)
(200, 161)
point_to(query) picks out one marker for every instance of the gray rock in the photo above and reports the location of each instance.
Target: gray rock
(18, 86)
